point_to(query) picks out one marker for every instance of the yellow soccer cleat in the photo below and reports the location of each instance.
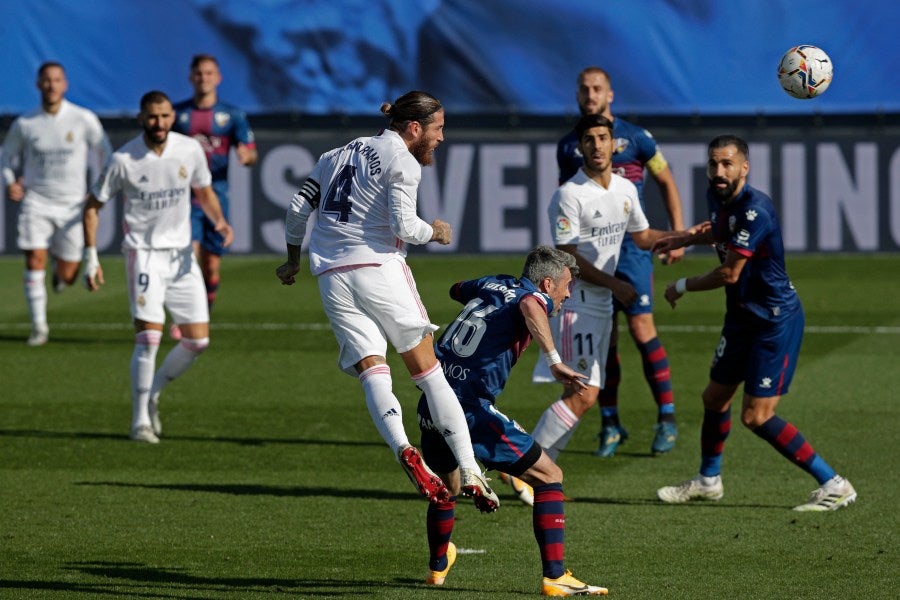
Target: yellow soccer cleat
(567, 585)
(438, 577)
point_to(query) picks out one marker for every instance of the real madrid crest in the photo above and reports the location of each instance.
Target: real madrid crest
(141, 301)
(182, 172)
(626, 207)
(70, 137)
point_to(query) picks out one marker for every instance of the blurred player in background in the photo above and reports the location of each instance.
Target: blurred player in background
(589, 216)
(51, 148)
(761, 336)
(477, 351)
(156, 172)
(635, 150)
(364, 195)
(218, 127)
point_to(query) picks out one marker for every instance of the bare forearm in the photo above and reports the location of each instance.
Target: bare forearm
(90, 220)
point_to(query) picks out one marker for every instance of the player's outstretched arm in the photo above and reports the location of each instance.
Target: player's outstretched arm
(536, 320)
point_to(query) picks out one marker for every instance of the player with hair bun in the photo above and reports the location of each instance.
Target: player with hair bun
(364, 196)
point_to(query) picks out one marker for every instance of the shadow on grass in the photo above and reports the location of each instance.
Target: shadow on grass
(175, 582)
(238, 489)
(664, 505)
(241, 441)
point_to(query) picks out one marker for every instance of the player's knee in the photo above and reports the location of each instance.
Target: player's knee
(197, 346)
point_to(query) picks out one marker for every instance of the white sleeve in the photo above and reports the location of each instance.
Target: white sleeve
(637, 220)
(301, 206)
(564, 212)
(12, 148)
(402, 180)
(110, 181)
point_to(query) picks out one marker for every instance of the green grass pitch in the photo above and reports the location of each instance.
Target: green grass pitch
(271, 482)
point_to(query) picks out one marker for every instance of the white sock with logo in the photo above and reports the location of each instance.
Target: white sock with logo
(447, 415)
(384, 408)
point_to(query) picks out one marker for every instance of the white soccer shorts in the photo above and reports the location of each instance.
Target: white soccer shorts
(61, 233)
(370, 305)
(582, 340)
(166, 279)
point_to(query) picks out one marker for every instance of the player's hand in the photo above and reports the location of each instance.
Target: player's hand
(245, 155)
(93, 272)
(442, 232)
(625, 293)
(672, 295)
(16, 190)
(227, 233)
(670, 243)
(286, 273)
(565, 375)
(672, 256)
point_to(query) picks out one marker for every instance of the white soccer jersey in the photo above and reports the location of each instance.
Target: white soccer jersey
(595, 219)
(366, 193)
(157, 190)
(53, 151)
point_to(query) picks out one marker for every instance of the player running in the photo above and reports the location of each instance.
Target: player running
(52, 147)
(761, 337)
(501, 316)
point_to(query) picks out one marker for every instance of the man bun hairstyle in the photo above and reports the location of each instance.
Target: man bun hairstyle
(411, 106)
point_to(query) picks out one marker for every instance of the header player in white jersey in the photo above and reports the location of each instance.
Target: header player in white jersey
(589, 216)
(156, 172)
(364, 196)
(51, 147)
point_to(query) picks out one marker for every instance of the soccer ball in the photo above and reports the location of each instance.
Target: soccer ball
(805, 71)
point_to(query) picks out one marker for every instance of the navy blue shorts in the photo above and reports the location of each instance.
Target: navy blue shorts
(499, 442)
(636, 267)
(761, 354)
(204, 231)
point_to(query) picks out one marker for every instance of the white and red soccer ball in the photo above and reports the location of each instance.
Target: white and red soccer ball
(805, 71)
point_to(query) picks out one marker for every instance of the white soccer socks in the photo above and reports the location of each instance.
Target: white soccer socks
(555, 428)
(384, 408)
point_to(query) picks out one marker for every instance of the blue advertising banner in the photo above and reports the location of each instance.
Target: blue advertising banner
(319, 57)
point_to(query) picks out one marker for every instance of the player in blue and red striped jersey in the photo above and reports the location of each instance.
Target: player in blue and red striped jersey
(218, 127)
(761, 337)
(635, 150)
(501, 316)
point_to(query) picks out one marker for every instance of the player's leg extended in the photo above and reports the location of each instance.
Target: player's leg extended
(448, 415)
